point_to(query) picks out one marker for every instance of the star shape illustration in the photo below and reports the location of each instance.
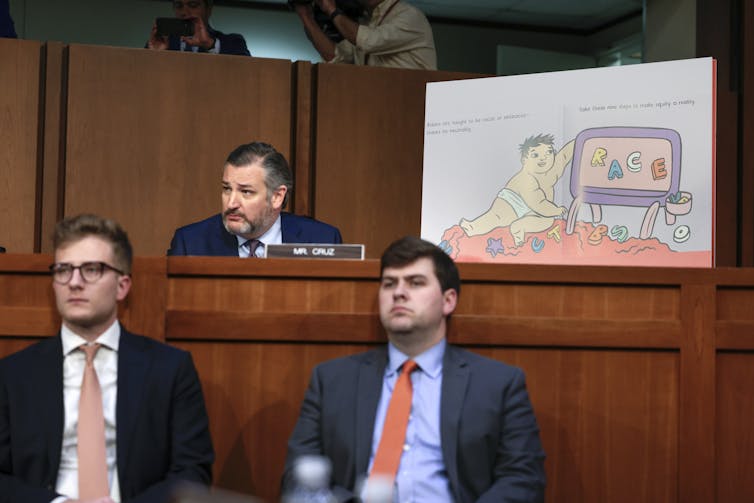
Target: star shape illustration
(494, 246)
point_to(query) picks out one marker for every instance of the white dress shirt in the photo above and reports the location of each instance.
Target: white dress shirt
(106, 366)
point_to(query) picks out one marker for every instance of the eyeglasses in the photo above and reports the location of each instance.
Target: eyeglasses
(62, 272)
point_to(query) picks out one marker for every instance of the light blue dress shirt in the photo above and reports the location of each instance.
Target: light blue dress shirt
(422, 476)
(273, 236)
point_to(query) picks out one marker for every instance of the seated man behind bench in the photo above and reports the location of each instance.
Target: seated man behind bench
(256, 184)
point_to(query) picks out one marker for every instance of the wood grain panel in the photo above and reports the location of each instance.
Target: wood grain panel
(301, 161)
(53, 166)
(735, 303)
(608, 420)
(570, 301)
(697, 395)
(369, 146)
(734, 434)
(143, 311)
(274, 295)
(253, 394)
(148, 132)
(27, 303)
(734, 328)
(20, 62)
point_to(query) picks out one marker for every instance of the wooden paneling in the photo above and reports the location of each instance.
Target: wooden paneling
(608, 421)
(637, 397)
(53, 166)
(735, 435)
(143, 311)
(253, 394)
(148, 133)
(697, 377)
(27, 304)
(19, 143)
(301, 161)
(369, 145)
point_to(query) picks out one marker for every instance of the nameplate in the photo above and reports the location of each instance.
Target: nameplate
(292, 250)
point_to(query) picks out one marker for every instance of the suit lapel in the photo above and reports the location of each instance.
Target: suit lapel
(48, 387)
(132, 371)
(454, 382)
(369, 389)
(289, 228)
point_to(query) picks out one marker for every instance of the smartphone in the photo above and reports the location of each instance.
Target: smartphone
(171, 26)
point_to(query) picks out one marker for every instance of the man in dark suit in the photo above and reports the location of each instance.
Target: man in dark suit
(256, 186)
(205, 38)
(471, 434)
(152, 424)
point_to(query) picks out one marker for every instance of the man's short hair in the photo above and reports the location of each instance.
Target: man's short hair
(533, 141)
(207, 3)
(409, 249)
(276, 169)
(72, 229)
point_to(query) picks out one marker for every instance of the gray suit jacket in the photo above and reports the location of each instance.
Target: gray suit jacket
(490, 437)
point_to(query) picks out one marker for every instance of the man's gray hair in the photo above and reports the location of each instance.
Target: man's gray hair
(276, 169)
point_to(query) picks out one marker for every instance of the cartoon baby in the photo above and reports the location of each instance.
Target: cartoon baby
(526, 201)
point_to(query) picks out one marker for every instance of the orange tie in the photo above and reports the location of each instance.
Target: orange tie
(389, 451)
(91, 433)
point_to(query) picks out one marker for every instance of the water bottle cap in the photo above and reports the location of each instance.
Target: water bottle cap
(312, 471)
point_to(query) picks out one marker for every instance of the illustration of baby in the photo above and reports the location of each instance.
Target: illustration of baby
(526, 201)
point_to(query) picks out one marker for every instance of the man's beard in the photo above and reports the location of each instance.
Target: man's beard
(249, 228)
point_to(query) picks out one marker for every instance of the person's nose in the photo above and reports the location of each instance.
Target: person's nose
(400, 290)
(77, 281)
(182, 12)
(233, 200)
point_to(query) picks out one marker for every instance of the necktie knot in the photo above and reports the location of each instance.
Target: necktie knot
(252, 245)
(409, 366)
(90, 350)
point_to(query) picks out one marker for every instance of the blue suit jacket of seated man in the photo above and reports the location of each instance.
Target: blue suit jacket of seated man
(209, 237)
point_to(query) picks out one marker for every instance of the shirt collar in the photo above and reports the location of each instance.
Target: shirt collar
(430, 361)
(273, 236)
(380, 11)
(110, 338)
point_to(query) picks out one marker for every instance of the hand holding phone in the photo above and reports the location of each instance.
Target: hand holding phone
(169, 26)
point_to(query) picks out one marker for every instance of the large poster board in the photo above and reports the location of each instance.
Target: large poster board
(607, 166)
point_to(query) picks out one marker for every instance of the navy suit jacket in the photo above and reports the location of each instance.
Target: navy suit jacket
(231, 43)
(490, 437)
(162, 428)
(6, 22)
(209, 236)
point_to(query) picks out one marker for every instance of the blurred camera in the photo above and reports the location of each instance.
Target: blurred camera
(351, 8)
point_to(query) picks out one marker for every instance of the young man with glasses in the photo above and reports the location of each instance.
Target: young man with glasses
(205, 38)
(143, 398)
